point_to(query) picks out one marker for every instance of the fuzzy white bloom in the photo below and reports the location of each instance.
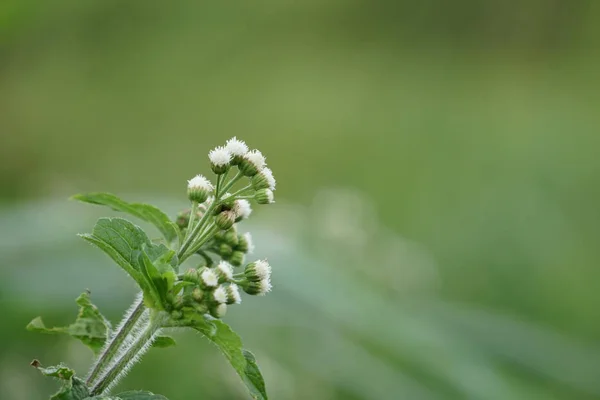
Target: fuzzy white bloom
(236, 147)
(234, 293)
(256, 158)
(200, 182)
(264, 286)
(220, 295)
(220, 156)
(262, 269)
(248, 237)
(269, 176)
(242, 208)
(221, 310)
(270, 198)
(209, 278)
(226, 269)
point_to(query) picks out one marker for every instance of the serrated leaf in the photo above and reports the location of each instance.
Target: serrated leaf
(90, 326)
(140, 395)
(128, 245)
(163, 341)
(160, 277)
(73, 388)
(145, 212)
(240, 359)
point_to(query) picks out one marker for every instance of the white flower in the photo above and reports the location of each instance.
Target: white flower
(264, 286)
(201, 183)
(262, 269)
(256, 158)
(234, 294)
(264, 196)
(220, 295)
(248, 237)
(220, 156)
(221, 310)
(269, 177)
(242, 208)
(209, 278)
(225, 269)
(236, 147)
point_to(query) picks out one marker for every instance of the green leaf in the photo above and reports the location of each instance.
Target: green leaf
(242, 360)
(90, 326)
(144, 212)
(160, 277)
(140, 395)
(73, 388)
(129, 246)
(163, 341)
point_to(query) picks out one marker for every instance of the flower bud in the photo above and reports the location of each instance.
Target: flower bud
(231, 237)
(225, 250)
(176, 314)
(237, 149)
(233, 294)
(264, 196)
(199, 188)
(257, 271)
(201, 308)
(178, 303)
(245, 243)
(237, 258)
(264, 180)
(224, 271)
(242, 209)
(197, 294)
(220, 160)
(252, 163)
(191, 275)
(225, 219)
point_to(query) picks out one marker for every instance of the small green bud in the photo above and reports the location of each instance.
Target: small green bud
(225, 250)
(231, 237)
(259, 288)
(199, 188)
(264, 196)
(191, 275)
(200, 308)
(220, 160)
(178, 303)
(176, 314)
(257, 271)
(225, 220)
(237, 258)
(197, 295)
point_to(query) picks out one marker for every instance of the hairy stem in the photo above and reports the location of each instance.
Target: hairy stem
(233, 180)
(139, 342)
(113, 345)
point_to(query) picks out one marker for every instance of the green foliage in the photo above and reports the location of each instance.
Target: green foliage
(241, 360)
(142, 211)
(130, 395)
(163, 341)
(129, 246)
(90, 326)
(73, 388)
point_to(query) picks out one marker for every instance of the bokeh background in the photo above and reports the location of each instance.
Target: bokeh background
(437, 227)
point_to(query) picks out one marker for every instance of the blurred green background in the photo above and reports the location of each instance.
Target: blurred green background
(437, 227)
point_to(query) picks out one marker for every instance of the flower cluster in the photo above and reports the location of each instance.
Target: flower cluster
(210, 231)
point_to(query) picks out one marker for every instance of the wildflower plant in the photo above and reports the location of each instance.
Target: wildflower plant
(205, 237)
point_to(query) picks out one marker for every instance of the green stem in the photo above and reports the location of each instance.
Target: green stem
(233, 180)
(121, 366)
(193, 213)
(190, 239)
(219, 179)
(112, 348)
(242, 190)
(203, 238)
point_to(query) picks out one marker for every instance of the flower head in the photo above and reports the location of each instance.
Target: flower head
(242, 209)
(264, 180)
(236, 147)
(233, 294)
(245, 243)
(252, 163)
(264, 196)
(260, 288)
(209, 278)
(199, 188)
(225, 271)
(220, 310)
(258, 271)
(220, 295)
(220, 158)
